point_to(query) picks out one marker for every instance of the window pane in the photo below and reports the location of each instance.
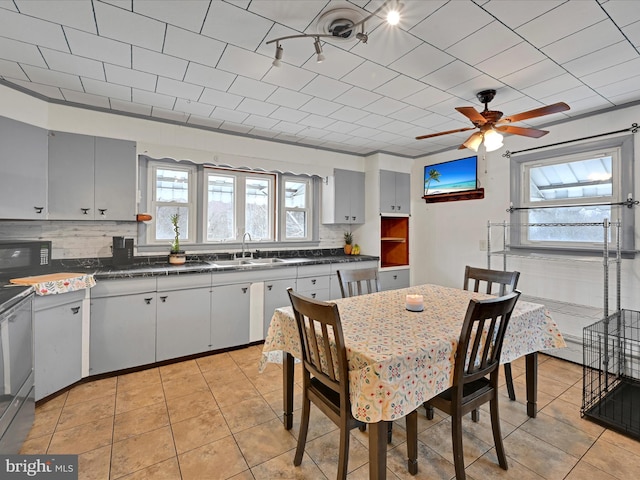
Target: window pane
(568, 215)
(579, 179)
(295, 194)
(220, 207)
(172, 185)
(257, 208)
(164, 227)
(296, 224)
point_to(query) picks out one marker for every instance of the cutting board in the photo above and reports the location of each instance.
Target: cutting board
(52, 277)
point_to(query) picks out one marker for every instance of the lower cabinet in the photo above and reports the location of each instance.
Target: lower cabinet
(230, 310)
(123, 324)
(313, 281)
(394, 279)
(275, 296)
(57, 341)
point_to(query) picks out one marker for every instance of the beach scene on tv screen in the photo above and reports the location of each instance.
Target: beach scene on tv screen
(450, 177)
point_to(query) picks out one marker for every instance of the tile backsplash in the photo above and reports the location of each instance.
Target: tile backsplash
(83, 239)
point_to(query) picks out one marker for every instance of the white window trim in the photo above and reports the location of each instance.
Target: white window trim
(308, 208)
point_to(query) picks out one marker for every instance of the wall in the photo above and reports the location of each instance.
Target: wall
(447, 236)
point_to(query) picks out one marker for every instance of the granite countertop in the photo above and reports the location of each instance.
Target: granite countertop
(11, 294)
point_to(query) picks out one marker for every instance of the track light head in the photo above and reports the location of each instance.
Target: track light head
(363, 37)
(318, 48)
(278, 58)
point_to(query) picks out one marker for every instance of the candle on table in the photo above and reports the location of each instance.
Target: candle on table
(414, 303)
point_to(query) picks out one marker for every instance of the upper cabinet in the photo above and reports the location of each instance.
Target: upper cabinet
(343, 197)
(23, 183)
(91, 178)
(395, 192)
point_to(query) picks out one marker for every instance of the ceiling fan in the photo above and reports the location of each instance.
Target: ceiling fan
(490, 122)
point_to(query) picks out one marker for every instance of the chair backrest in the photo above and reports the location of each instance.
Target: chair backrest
(481, 337)
(358, 282)
(323, 353)
(504, 282)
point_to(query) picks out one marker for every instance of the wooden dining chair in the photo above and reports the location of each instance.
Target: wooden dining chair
(496, 282)
(477, 356)
(358, 282)
(326, 378)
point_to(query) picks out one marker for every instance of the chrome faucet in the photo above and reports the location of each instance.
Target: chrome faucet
(243, 244)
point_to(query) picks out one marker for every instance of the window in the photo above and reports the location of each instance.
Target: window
(297, 201)
(575, 184)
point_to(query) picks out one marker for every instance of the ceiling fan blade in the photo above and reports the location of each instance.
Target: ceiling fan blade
(537, 112)
(526, 132)
(444, 133)
(472, 114)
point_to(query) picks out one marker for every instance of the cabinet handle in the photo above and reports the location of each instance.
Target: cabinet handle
(75, 310)
(163, 299)
(399, 207)
(103, 211)
(353, 218)
(269, 287)
(244, 289)
(313, 295)
(313, 281)
(393, 207)
(85, 211)
(346, 217)
(395, 277)
(38, 209)
(148, 300)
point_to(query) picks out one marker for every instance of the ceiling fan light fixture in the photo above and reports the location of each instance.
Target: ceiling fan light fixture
(492, 140)
(474, 141)
(277, 61)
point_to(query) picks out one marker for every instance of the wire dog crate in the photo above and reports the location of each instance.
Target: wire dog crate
(611, 381)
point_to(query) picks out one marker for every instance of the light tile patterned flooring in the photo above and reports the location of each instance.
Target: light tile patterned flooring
(218, 418)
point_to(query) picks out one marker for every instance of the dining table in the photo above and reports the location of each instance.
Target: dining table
(398, 358)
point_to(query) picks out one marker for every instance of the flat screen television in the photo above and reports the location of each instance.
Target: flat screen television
(454, 176)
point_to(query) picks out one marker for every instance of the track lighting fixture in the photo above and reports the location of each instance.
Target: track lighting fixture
(342, 28)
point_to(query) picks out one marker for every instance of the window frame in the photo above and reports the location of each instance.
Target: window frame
(308, 208)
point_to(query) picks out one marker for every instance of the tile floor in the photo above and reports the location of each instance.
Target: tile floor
(218, 418)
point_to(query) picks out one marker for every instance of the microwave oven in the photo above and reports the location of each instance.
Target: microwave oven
(24, 255)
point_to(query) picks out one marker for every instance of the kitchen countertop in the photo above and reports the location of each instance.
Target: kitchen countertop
(10, 294)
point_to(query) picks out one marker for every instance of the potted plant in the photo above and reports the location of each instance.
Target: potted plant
(348, 241)
(176, 256)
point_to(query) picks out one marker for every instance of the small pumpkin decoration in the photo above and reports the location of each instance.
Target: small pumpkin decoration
(348, 240)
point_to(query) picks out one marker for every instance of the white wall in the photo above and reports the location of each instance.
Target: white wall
(446, 236)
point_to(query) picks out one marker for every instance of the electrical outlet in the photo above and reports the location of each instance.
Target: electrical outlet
(483, 245)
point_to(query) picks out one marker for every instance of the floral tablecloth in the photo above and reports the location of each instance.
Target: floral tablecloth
(397, 358)
(56, 283)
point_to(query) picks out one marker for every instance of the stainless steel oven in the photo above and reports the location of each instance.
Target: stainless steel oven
(24, 255)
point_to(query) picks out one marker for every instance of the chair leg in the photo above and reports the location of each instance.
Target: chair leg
(390, 432)
(475, 415)
(304, 427)
(429, 410)
(343, 453)
(458, 452)
(412, 442)
(497, 435)
(509, 379)
(363, 427)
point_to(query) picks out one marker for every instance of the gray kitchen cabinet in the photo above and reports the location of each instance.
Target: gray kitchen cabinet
(23, 183)
(313, 281)
(123, 324)
(57, 341)
(395, 192)
(230, 310)
(275, 296)
(91, 178)
(394, 279)
(183, 315)
(343, 197)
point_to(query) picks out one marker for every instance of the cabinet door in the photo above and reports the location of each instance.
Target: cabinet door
(275, 296)
(230, 315)
(394, 279)
(23, 183)
(387, 191)
(357, 191)
(58, 346)
(342, 196)
(123, 332)
(71, 167)
(115, 179)
(183, 323)
(403, 192)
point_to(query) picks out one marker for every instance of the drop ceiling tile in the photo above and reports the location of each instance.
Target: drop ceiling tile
(601, 59)
(44, 90)
(259, 121)
(568, 18)
(96, 87)
(386, 44)
(433, 121)
(56, 79)
(67, 63)
(193, 108)
(450, 75)
(632, 32)
(414, 11)
(99, 48)
(208, 77)
(159, 63)
(288, 114)
(509, 61)
(32, 30)
(288, 98)
(222, 24)
(324, 87)
(316, 121)
(204, 122)
(409, 113)
(340, 137)
(365, 132)
(262, 132)
(130, 78)
(402, 128)
(242, 62)
(624, 98)
(86, 98)
(621, 87)
(490, 40)
(188, 14)
(234, 127)
(536, 73)
(173, 88)
(11, 70)
(622, 13)
(129, 27)
(374, 121)
(220, 99)
(369, 75)
(320, 106)
(190, 46)
(288, 127)
(311, 132)
(427, 97)
(227, 115)
(154, 99)
(295, 15)
(401, 87)
(67, 12)
(21, 52)
(358, 97)
(591, 104)
(385, 106)
(476, 84)
(342, 127)
(248, 87)
(130, 107)
(9, 5)
(551, 86)
(289, 76)
(338, 62)
(179, 117)
(422, 61)
(515, 14)
(249, 105)
(568, 96)
(616, 73)
(436, 29)
(595, 37)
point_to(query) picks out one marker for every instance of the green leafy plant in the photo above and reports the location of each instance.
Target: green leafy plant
(175, 245)
(348, 238)
(433, 175)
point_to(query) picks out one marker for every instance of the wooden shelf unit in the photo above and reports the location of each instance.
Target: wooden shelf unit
(394, 241)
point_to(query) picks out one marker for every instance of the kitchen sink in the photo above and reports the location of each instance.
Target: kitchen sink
(263, 261)
(246, 262)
